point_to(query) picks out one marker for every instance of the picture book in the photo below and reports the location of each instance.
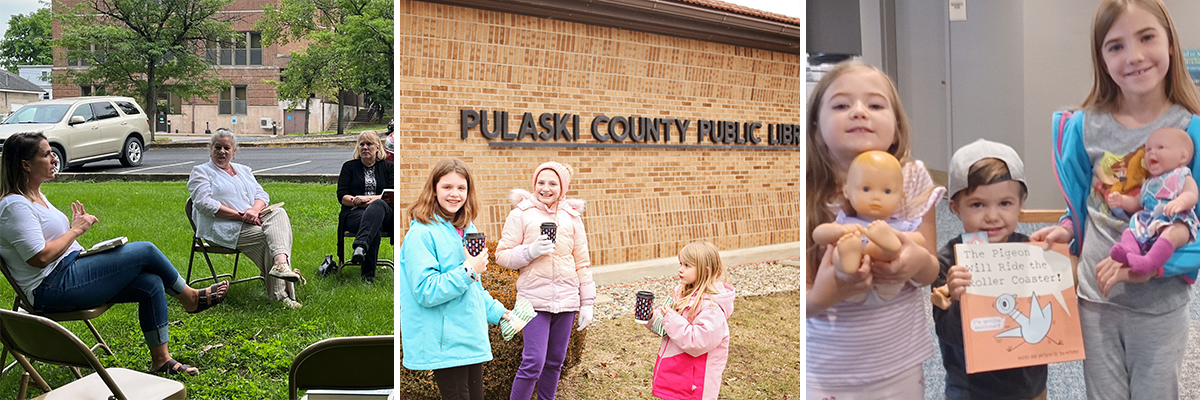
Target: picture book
(1020, 309)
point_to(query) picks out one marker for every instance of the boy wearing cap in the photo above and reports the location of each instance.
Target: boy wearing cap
(987, 191)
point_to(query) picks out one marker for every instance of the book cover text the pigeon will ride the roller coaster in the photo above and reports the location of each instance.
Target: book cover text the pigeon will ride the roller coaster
(1020, 309)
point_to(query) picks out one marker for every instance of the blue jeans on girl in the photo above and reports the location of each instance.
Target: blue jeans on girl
(134, 273)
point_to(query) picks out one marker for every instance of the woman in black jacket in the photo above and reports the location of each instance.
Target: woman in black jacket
(359, 190)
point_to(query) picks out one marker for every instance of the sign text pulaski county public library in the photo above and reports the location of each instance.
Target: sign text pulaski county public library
(620, 129)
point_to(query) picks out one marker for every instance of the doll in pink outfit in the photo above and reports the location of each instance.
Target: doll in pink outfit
(1164, 217)
(555, 277)
(695, 345)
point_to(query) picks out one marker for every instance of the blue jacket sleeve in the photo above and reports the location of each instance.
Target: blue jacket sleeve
(495, 309)
(1074, 171)
(1186, 260)
(430, 286)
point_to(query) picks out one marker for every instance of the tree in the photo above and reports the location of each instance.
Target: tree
(354, 36)
(27, 41)
(309, 73)
(135, 47)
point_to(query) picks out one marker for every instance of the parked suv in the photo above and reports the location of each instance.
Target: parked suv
(85, 129)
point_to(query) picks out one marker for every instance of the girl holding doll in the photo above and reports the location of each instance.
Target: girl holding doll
(871, 349)
(1133, 323)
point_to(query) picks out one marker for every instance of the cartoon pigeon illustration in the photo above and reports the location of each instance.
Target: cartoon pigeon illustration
(1032, 328)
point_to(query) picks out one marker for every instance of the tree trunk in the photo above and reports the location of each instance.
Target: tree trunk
(307, 101)
(151, 102)
(339, 113)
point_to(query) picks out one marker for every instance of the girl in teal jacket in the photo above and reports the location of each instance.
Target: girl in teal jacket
(444, 309)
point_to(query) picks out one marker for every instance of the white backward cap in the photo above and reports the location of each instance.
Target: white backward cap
(966, 156)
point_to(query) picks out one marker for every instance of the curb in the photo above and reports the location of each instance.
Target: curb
(616, 273)
(285, 141)
(167, 177)
(341, 141)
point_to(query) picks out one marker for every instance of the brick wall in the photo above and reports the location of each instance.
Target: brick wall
(262, 100)
(642, 203)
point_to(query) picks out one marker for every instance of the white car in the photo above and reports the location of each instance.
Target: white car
(86, 129)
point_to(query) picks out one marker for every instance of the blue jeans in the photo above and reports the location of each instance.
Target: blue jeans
(134, 273)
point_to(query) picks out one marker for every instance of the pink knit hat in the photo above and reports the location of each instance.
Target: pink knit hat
(564, 176)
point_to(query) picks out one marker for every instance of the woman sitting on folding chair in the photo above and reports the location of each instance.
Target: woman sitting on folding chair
(38, 243)
(228, 208)
(364, 211)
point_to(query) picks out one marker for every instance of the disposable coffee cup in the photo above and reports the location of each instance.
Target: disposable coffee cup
(474, 242)
(550, 229)
(642, 308)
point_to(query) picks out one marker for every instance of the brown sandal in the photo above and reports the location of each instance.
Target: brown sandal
(209, 297)
(172, 367)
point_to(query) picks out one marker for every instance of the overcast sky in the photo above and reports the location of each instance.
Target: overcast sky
(9, 8)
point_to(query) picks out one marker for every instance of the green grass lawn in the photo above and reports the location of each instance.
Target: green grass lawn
(244, 346)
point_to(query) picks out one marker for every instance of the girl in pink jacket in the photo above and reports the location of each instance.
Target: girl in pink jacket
(695, 347)
(555, 278)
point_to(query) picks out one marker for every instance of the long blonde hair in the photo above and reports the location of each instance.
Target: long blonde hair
(706, 259)
(822, 183)
(427, 205)
(1105, 93)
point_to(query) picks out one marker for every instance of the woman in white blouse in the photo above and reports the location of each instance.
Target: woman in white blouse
(228, 204)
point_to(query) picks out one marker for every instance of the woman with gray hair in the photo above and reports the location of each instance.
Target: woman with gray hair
(228, 210)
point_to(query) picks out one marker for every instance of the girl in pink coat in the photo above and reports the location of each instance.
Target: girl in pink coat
(555, 278)
(695, 347)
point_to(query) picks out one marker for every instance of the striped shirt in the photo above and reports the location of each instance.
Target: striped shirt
(854, 344)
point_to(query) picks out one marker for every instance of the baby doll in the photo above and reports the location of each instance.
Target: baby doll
(1165, 217)
(875, 190)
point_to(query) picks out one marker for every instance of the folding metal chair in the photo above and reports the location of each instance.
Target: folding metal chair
(20, 302)
(344, 363)
(205, 248)
(44, 340)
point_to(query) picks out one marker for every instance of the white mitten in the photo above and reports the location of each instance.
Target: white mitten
(540, 247)
(585, 317)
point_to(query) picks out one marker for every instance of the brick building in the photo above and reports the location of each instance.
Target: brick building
(245, 63)
(598, 85)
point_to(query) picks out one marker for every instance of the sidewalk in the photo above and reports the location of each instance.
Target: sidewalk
(200, 140)
(609, 274)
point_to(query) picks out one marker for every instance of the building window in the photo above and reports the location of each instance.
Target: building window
(170, 102)
(245, 49)
(77, 62)
(232, 101)
(92, 91)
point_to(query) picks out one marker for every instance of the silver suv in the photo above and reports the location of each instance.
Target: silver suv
(85, 129)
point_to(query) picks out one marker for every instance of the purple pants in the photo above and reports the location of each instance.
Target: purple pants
(546, 339)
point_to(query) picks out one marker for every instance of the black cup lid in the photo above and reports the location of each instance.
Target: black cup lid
(645, 294)
(549, 225)
(476, 235)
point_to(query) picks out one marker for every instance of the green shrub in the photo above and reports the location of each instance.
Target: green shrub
(498, 374)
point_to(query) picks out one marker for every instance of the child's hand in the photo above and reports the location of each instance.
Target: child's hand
(831, 285)
(1175, 207)
(1114, 200)
(1051, 235)
(479, 262)
(912, 258)
(507, 316)
(957, 280)
(1109, 273)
